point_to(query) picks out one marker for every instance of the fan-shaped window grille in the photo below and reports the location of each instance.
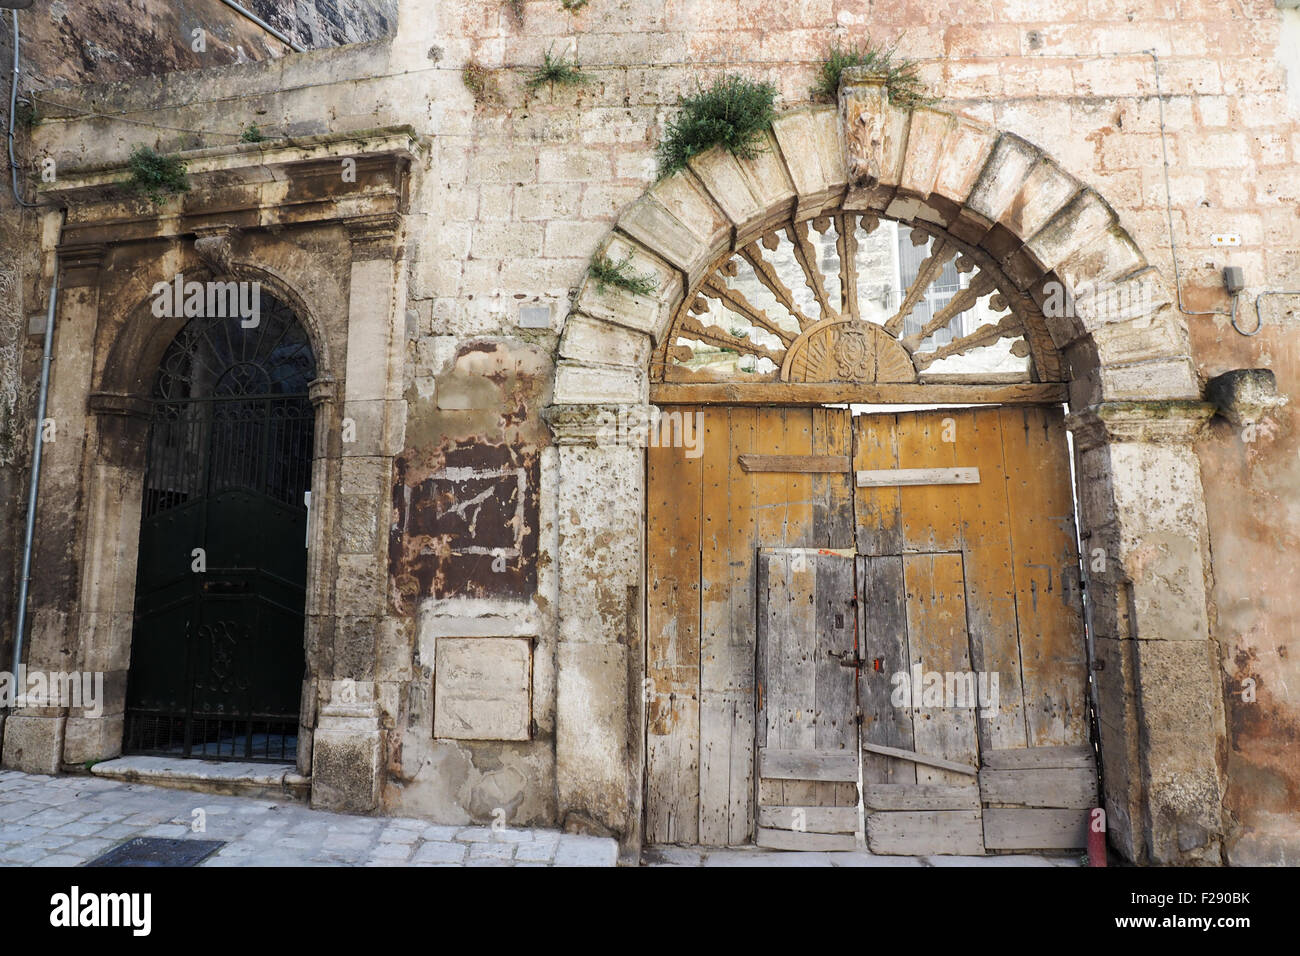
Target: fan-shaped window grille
(231, 411)
(850, 297)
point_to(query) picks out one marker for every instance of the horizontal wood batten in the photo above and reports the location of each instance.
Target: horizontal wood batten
(802, 393)
(894, 477)
(810, 464)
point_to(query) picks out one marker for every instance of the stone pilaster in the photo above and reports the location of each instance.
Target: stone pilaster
(35, 731)
(347, 740)
(601, 536)
(1146, 550)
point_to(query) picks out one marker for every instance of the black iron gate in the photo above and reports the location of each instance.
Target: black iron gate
(217, 647)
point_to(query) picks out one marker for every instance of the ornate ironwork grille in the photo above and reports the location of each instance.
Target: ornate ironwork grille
(217, 649)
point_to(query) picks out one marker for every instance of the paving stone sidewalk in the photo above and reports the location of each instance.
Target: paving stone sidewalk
(757, 856)
(69, 820)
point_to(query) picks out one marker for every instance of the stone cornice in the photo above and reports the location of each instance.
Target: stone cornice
(249, 186)
(242, 161)
(1171, 422)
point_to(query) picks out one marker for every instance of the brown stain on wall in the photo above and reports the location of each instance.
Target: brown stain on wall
(466, 490)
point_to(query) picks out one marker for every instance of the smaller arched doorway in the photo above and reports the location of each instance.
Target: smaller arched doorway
(217, 645)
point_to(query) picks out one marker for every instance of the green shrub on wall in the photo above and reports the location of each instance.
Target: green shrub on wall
(733, 112)
(155, 176)
(902, 75)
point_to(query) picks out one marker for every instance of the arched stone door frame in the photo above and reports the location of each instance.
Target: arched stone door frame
(332, 248)
(1134, 398)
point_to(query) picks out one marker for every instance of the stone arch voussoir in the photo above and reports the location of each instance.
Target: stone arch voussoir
(1048, 232)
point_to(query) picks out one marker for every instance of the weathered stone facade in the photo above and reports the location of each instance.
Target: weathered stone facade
(1045, 151)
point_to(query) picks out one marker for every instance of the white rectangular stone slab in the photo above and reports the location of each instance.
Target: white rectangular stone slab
(483, 688)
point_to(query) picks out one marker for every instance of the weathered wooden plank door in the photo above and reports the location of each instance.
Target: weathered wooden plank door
(971, 622)
(807, 792)
(707, 519)
(974, 575)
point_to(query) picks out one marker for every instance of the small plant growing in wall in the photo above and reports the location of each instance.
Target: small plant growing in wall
(902, 75)
(557, 71)
(156, 176)
(733, 112)
(572, 5)
(620, 275)
(516, 8)
(252, 135)
(475, 77)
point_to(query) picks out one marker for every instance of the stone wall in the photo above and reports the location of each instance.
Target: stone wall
(519, 187)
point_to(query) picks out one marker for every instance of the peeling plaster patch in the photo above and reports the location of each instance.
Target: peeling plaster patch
(466, 496)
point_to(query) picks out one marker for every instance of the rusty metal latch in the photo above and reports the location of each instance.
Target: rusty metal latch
(848, 659)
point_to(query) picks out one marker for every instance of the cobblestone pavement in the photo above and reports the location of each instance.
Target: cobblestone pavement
(69, 820)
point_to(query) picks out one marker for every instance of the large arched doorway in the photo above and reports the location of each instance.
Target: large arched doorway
(217, 648)
(864, 609)
(1134, 405)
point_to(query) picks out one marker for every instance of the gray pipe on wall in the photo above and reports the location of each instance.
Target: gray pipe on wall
(38, 445)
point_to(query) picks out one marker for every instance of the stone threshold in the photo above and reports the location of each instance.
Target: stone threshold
(265, 780)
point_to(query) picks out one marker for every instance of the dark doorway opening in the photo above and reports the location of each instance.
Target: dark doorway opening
(217, 647)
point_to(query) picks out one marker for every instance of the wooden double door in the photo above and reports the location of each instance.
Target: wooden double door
(863, 615)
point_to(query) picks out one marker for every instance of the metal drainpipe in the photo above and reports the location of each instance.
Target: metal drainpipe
(295, 46)
(37, 446)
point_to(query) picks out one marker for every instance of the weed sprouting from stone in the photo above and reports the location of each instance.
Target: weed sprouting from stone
(155, 176)
(734, 112)
(557, 71)
(902, 75)
(620, 275)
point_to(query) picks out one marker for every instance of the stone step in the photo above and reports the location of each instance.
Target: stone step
(273, 781)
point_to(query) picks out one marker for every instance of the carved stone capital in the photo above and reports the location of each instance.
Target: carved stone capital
(79, 263)
(322, 391)
(375, 236)
(600, 425)
(214, 244)
(114, 403)
(1171, 422)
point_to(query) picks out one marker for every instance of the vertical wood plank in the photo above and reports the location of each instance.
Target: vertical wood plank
(672, 647)
(716, 706)
(764, 793)
(798, 643)
(929, 515)
(882, 613)
(833, 528)
(743, 598)
(877, 515)
(936, 627)
(769, 509)
(990, 581)
(1048, 607)
(835, 701)
(798, 674)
